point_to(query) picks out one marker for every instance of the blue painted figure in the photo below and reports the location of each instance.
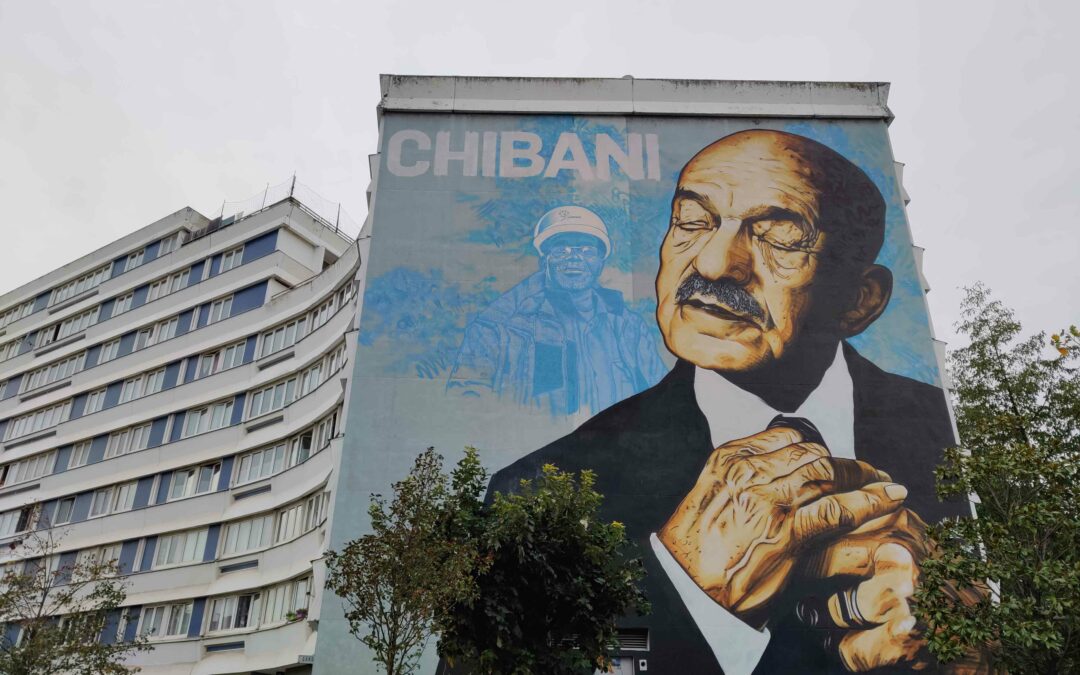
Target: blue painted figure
(558, 339)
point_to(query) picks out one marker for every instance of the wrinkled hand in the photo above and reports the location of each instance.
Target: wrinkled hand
(876, 612)
(879, 627)
(757, 503)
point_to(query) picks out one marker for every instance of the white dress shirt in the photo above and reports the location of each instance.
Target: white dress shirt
(734, 413)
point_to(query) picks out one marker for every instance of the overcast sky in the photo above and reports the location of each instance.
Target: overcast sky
(114, 114)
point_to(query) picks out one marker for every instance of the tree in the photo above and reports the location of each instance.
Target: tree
(558, 577)
(57, 616)
(1018, 414)
(397, 580)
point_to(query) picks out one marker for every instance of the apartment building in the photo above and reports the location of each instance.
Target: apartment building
(174, 401)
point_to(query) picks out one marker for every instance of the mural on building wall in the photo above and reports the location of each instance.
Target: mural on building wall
(722, 318)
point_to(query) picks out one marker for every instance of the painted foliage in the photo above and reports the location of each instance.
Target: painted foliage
(721, 317)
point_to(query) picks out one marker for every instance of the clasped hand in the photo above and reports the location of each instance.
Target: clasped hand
(758, 503)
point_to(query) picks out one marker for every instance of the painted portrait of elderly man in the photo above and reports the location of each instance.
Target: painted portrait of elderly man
(776, 482)
(559, 340)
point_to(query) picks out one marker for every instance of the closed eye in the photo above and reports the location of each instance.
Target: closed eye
(802, 248)
(693, 225)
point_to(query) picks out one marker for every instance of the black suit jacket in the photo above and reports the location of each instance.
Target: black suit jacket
(647, 452)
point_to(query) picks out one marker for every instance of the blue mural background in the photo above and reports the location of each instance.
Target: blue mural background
(415, 314)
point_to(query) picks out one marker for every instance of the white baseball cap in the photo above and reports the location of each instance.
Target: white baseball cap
(576, 219)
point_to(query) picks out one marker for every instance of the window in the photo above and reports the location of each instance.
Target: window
(180, 548)
(194, 480)
(260, 464)
(122, 304)
(231, 259)
(80, 454)
(273, 397)
(250, 534)
(28, 469)
(64, 509)
(321, 314)
(142, 338)
(337, 359)
(15, 521)
(300, 448)
(219, 310)
(282, 336)
(142, 385)
(207, 365)
(134, 260)
(16, 313)
(157, 289)
(77, 323)
(165, 621)
(233, 356)
(325, 430)
(10, 350)
(168, 244)
(54, 372)
(311, 379)
(166, 285)
(223, 359)
(159, 332)
(67, 327)
(95, 401)
(80, 285)
(166, 330)
(131, 389)
(179, 280)
(233, 611)
(208, 419)
(109, 351)
(51, 564)
(38, 420)
(298, 518)
(100, 555)
(128, 440)
(314, 510)
(113, 499)
(281, 600)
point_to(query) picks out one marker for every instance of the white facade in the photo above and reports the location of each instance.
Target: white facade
(175, 400)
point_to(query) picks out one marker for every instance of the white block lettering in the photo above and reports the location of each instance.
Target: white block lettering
(393, 160)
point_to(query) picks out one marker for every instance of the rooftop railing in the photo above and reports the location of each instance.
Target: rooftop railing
(328, 213)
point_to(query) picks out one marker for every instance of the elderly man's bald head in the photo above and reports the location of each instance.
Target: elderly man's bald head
(769, 258)
(838, 197)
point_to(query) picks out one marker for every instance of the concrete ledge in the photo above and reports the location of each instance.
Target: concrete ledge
(262, 489)
(61, 343)
(41, 391)
(225, 646)
(264, 422)
(630, 96)
(29, 438)
(20, 487)
(236, 567)
(73, 300)
(274, 359)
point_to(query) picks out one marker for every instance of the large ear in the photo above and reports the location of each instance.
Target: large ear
(869, 301)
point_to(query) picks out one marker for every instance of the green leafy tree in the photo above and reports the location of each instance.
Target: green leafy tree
(398, 580)
(1017, 404)
(56, 616)
(557, 579)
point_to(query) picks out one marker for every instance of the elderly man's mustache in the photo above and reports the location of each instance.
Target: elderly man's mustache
(697, 289)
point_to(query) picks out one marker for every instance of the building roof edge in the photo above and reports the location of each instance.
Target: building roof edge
(632, 96)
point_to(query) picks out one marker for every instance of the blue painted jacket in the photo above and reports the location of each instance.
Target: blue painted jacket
(532, 344)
